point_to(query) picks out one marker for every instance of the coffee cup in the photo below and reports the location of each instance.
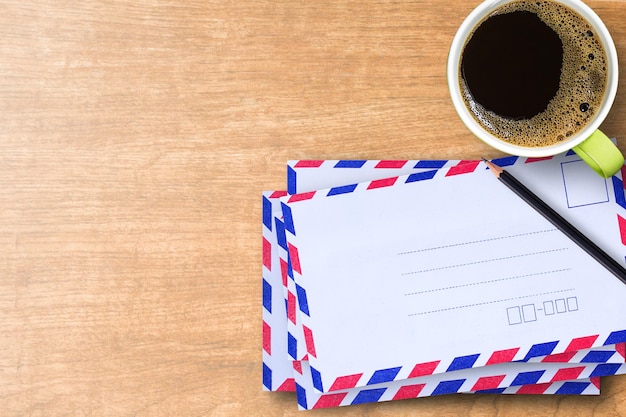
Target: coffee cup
(536, 78)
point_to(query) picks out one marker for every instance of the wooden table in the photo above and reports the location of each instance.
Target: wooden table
(136, 139)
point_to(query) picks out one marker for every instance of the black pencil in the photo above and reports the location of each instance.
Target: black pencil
(558, 221)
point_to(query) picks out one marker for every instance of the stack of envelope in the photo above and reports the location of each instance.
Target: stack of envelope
(390, 280)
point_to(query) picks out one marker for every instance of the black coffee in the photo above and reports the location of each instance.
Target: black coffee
(533, 73)
(513, 55)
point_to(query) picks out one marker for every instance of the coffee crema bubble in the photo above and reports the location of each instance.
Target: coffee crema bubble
(533, 101)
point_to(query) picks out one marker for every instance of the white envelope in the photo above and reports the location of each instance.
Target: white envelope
(343, 221)
(278, 374)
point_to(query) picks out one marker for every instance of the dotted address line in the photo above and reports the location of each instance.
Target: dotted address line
(483, 261)
(487, 282)
(476, 241)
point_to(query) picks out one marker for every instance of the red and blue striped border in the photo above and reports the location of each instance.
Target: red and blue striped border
(271, 379)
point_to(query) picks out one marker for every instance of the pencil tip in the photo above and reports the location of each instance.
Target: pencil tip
(493, 167)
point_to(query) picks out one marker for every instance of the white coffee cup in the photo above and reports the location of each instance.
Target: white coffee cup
(589, 143)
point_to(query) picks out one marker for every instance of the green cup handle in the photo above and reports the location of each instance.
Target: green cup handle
(600, 154)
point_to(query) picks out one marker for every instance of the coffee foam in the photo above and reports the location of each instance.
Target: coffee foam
(581, 88)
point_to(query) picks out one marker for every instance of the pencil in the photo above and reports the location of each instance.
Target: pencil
(558, 221)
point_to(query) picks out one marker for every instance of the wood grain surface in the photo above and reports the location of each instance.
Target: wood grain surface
(135, 141)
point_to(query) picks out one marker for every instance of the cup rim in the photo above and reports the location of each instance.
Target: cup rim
(454, 60)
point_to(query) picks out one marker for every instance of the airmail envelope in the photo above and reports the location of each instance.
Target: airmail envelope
(448, 268)
(580, 190)
(310, 175)
(278, 373)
